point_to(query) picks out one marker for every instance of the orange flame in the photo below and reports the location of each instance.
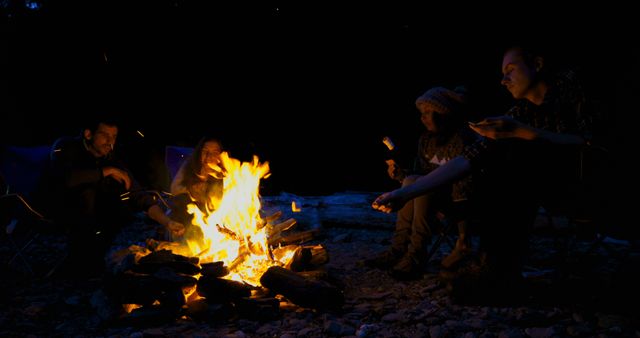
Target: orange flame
(234, 232)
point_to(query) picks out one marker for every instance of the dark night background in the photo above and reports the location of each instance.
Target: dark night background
(311, 90)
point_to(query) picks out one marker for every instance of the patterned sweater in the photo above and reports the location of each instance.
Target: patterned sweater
(564, 110)
(434, 151)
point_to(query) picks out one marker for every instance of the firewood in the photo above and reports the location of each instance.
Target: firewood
(298, 237)
(218, 290)
(278, 253)
(149, 315)
(170, 277)
(214, 269)
(269, 219)
(301, 291)
(124, 259)
(319, 255)
(135, 288)
(162, 256)
(315, 275)
(201, 309)
(172, 298)
(276, 229)
(300, 260)
(165, 258)
(258, 308)
(308, 258)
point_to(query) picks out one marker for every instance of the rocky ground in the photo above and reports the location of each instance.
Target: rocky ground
(583, 294)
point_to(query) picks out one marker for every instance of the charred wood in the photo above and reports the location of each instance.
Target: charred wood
(319, 255)
(214, 269)
(308, 258)
(280, 227)
(203, 310)
(217, 290)
(258, 308)
(314, 275)
(135, 288)
(301, 291)
(300, 260)
(150, 315)
(298, 237)
(269, 219)
(165, 258)
(169, 277)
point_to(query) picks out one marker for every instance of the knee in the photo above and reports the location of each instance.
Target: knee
(410, 180)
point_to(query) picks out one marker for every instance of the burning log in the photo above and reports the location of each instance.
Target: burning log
(298, 237)
(300, 260)
(165, 258)
(280, 227)
(214, 269)
(319, 255)
(301, 291)
(308, 257)
(269, 219)
(125, 259)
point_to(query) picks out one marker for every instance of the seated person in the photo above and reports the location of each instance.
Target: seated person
(441, 112)
(198, 181)
(523, 160)
(92, 193)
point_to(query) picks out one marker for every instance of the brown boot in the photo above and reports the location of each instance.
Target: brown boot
(384, 260)
(458, 254)
(408, 268)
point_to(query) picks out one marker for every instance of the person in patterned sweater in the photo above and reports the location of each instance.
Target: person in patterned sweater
(521, 160)
(443, 115)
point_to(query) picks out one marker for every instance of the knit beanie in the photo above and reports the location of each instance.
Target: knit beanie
(443, 100)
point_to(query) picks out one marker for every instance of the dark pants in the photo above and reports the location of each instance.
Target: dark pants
(416, 218)
(94, 215)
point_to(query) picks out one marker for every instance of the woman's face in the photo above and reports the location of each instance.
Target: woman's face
(427, 117)
(211, 152)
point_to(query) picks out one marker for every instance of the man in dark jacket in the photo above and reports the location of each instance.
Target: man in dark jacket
(94, 193)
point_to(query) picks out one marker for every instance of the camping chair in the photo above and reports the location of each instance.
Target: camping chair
(23, 228)
(448, 230)
(22, 167)
(587, 213)
(174, 156)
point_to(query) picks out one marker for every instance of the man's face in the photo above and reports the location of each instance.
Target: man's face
(101, 142)
(518, 77)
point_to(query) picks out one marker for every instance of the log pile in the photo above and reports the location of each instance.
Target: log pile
(160, 286)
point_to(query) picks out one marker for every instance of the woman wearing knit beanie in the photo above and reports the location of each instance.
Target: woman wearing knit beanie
(522, 159)
(442, 112)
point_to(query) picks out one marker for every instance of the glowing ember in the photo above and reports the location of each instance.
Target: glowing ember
(234, 232)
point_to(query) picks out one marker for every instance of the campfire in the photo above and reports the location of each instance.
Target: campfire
(240, 259)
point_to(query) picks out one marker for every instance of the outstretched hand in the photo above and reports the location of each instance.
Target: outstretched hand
(176, 228)
(500, 127)
(216, 170)
(388, 202)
